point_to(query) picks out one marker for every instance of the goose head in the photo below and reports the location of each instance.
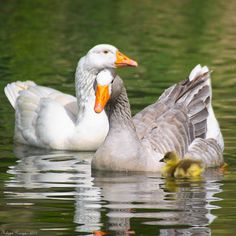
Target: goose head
(108, 87)
(107, 56)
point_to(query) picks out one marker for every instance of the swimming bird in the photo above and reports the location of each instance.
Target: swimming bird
(182, 120)
(185, 168)
(48, 118)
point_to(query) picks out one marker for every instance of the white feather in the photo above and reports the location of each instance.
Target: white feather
(213, 128)
(196, 71)
(204, 70)
(105, 77)
(12, 90)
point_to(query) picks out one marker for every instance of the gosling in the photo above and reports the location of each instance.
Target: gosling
(175, 167)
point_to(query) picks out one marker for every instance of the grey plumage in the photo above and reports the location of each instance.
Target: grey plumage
(206, 150)
(176, 122)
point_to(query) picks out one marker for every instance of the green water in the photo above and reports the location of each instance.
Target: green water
(55, 193)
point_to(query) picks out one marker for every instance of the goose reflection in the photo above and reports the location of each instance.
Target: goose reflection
(160, 204)
(56, 175)
(116, 203)
(38, 168)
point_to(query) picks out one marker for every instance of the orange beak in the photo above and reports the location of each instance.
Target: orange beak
(102, 96)
(122, 60)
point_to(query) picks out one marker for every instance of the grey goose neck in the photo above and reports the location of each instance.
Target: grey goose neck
(118, 111)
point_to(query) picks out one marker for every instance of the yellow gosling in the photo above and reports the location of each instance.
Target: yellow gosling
(175, 167)
(188, 168)
(172, 160)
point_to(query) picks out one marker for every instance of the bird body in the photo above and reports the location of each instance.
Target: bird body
(188, 168)
(48, 118)
(178, 121)
(185, 168)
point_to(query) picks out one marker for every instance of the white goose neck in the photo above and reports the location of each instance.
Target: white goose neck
(84, 85)
(85, 78)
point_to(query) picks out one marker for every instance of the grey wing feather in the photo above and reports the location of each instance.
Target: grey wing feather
(172, 132)
(178, 121)
(153, 112)
(208, 151)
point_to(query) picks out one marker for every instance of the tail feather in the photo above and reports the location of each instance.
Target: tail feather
(213, 130)
(12, 90)
(197, 71)
(203, 94)
(195, 94)
(189, 88)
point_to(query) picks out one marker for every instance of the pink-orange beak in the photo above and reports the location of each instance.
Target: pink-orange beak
(102, 96)
(122, 60)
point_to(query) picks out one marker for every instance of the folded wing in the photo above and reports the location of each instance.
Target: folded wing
(181, 116)
(41, 112)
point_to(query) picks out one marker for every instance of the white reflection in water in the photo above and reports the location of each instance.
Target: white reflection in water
(111, 200)
(57, 175)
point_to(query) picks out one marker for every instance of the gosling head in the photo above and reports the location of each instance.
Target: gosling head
(107, 56)
(171, 158)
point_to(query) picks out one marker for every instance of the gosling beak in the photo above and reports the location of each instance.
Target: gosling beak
(122, 60)
(102, 96)
(162, 160)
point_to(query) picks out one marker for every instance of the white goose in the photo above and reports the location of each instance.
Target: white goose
(48, 118)
(181, 121)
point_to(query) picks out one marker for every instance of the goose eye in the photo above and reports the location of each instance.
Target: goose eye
(105, 51)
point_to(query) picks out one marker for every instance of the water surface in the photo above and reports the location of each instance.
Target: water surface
(54, 192)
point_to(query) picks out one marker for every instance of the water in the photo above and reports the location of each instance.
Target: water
(55, 193)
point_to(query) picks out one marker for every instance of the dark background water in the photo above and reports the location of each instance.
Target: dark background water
(55, 193)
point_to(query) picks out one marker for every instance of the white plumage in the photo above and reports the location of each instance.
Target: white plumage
(48, 118)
